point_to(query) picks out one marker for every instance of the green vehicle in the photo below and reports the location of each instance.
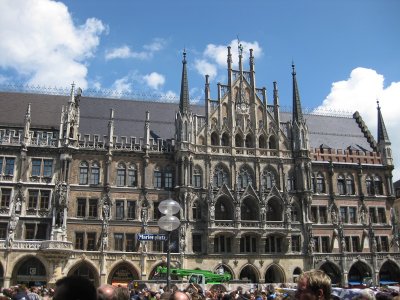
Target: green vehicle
(198, 276)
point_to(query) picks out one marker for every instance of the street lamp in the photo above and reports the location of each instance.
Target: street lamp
(169, 222)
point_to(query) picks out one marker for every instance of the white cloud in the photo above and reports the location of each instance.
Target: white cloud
(41, 42)
(122, 86)
(154, 80)
(205, 68)
(125, 51)
(215, 57)
(360, 92)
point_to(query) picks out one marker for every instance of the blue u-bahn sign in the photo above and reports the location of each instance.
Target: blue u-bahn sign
(151, 237)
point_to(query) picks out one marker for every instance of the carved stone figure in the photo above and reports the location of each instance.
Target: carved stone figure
(334, 217)
(363, 216)
(182, 242)
(106, 211)
(237, 213)
(212, 212)
(311, 245)
(288, 214)
(263, 214)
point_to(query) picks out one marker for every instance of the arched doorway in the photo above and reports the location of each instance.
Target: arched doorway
(30, 272)
(274, 274)
(84, 269)
(332, 271)
(249, 274)
(296, 273)
(359, 273)
(122, 275)
(389, 273)
(221, 268)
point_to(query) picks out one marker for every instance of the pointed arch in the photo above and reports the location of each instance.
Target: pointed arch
(389, 273)
(197, 179)
(214, 139)
(272, 142)
(262, 142)
(249, 209)
(270, 178)
(249, 141)
(224, 209)
(85, 269)
(225, 268)
(249, 273)
(28, 270)
(296, 273)
(275, 274)
(245, 177)
(274, 209)
(221, 176)
(225, 139)
(333, 271)
(122, 273)
(238, 140)
(202, 140)
(358, 271)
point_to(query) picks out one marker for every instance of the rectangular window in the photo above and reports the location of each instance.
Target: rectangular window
(5, 198)
(323, 215)
(94, 176)
(130, 242)
(295, 243)
(120, 177)
(343, 214)
(372, 215)
(384, 244)
(41, 233)
(132, 177)
(131, 209)
(79, 240)
(119, 241)
(381, 215)
(83, 175)
(157, 179)
(3, 231)
(320, 185)
(196, 243)
(93, 208)
(314, 214)
(325, 247)
(1, 165)
(91, 241)
(36, 167)
(81, 208)
(156, 212)
(352, 215)
(119, 209)
(197, 180)
(355, 243)
(33, 199)
(347, 240)
(317, 244)
(168, 180)
(9, 170)
(29, 231)
(44, 199)
(47, 168)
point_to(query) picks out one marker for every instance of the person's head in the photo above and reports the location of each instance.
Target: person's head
(105, 292)
(178, 295)
(314, 284)
(74, 288)
(121, 293)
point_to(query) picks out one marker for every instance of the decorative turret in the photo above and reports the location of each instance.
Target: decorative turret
(111, 130)
(27, 125)
(297, 113)
(383, 140)
(69, 127)
(184, 99)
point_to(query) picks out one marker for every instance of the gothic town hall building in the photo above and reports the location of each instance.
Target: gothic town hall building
(264, 194)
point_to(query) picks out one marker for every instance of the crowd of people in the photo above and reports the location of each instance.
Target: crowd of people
(311, 285)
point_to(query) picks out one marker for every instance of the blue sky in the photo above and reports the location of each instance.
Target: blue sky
(346, 51)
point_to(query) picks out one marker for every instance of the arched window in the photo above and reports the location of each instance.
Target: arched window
(197, 177)
(271, 142)
(94, 173)
(268, 179)
(225, 139)
(214, 139)
(83, 172)
(261, 141)
(249, 141)
(341, 185)
(220, 177)
(291, 182)
(238, 140)
(378, 185)
(244, 178)
(121, 174)
(320, 184)
(369, 186)
(350, 185)
(223, 210)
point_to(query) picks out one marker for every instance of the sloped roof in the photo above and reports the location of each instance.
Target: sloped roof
(129, 117)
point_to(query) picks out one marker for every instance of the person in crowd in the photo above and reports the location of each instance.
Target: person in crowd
(121, 293)
(33, 293)
(313, 285)
(74, 288)
(178, 295)
(20, 293)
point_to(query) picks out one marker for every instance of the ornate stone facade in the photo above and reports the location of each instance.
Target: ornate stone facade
(264, 194)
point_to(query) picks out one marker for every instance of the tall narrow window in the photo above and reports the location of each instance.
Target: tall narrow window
(79, 240)
(268, 180)
(44, 199)
(119, 209)
(93, 208)
(83, 173)
(131, 209)
(378, 186)
(291, 182)
(130, 242)
(220, 177)
(95, 174)
(121, 175)
(197, 180)
(341, 185)
(5, 197)
(36, 166)
(132, 176)
(9, 170)
(47, 168)
(244, 179)
(157, 179)
(350, 185)
(168, 178)
(81, 208)
(320, 189)
(33, 199)
(369, 186)
(352, 215)
(91, 241)
(118, 241)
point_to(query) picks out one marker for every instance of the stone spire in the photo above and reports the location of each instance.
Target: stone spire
(184, 98)
(382, 133)
(297, 113)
